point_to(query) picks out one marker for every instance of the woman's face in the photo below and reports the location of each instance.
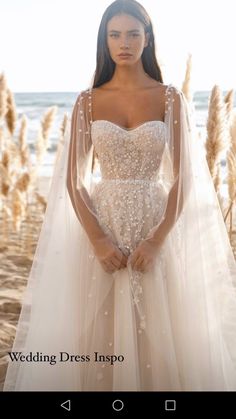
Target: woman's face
(125, 34)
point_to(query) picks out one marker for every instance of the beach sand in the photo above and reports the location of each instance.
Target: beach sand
(15, 266)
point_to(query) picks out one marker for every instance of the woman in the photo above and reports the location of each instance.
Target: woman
(133, 281)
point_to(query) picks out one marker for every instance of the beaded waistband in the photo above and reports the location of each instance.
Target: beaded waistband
(146, 181)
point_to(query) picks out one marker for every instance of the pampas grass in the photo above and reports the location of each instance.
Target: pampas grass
(20, 202)
(215, 142)
(3, 96)
(41, 200)
(47, 122)
(186, 83)
(1, 139)
(11, 114)
(23, 182)
(231, 166)
(43, 136)
(5, 173)
(18, 209)
(23, 146)
(229, 103)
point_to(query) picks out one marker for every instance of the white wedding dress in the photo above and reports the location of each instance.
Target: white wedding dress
(171, 328)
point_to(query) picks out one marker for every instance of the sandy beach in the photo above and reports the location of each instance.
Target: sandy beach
(15, 266)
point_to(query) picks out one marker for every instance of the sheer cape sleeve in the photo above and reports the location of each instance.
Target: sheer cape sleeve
(191, 214)
(191, 239)
(175, 172)
(80, 181)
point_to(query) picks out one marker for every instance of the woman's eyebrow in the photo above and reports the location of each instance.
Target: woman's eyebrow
(132, 30)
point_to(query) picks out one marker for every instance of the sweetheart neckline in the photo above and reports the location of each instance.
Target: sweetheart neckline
(128, 129)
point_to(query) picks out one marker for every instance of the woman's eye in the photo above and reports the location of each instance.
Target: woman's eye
(116, 35)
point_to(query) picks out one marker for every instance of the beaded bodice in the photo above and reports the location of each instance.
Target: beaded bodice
(129, 193)
(128, 154)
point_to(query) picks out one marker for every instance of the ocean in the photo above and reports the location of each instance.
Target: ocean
(34, 105)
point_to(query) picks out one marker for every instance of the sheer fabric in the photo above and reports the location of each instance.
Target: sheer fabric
(175, 324)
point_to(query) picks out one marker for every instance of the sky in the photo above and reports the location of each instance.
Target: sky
(50, 45)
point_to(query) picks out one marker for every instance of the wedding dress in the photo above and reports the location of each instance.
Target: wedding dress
(170, 328)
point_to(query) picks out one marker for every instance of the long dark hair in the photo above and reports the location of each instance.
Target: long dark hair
(105, 65)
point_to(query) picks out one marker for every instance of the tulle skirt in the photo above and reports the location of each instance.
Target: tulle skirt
(172, 328)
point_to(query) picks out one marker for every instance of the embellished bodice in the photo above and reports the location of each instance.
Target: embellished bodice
(129, 153)
(129, 198)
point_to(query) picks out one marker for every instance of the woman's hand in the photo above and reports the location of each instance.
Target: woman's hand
(110, 256)
(142, 258)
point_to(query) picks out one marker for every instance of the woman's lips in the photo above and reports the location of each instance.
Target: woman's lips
(124, 56)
